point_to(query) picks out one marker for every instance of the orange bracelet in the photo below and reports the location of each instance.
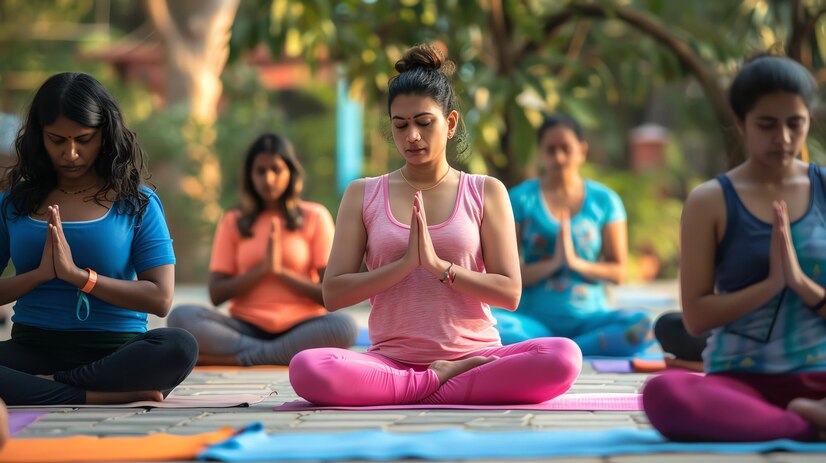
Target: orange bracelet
(90, 283)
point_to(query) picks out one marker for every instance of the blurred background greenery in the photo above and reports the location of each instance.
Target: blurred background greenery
(198, 80)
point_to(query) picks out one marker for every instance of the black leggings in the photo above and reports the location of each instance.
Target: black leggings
(157, 360)
(675, 339)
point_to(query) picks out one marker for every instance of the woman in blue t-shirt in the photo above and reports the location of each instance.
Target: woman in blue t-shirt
(573, 238)
(92, 256)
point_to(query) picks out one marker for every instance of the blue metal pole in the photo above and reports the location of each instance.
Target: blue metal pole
(349, 137)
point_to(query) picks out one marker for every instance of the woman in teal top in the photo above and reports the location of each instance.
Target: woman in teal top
(573, 238)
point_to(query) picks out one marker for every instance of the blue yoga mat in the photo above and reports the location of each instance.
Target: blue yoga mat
(253, 444)
(363, 338)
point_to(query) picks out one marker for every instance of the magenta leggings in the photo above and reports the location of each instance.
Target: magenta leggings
(528, 372)
(731, 407)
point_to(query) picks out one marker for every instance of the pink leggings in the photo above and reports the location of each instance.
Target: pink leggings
(528, 372)
(731, 407)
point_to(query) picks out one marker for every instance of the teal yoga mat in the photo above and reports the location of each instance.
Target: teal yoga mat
(253, 444)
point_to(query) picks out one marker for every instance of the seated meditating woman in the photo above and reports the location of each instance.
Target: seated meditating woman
(92, 257)
(572, 235)
(753, 247)
(440, 248)
(268, 259)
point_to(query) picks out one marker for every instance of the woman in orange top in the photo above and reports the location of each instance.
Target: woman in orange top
(268, 259)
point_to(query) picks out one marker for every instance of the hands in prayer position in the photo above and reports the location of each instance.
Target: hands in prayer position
(57, 261)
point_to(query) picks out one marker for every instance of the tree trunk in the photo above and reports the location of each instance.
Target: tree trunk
(196, 34)
(196, 37)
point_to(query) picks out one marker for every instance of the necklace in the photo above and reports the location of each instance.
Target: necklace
(430, 187)
(76, 192)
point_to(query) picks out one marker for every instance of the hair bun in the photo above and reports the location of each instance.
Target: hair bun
(425, 56)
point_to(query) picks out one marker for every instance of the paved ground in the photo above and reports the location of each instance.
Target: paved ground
(118, 422)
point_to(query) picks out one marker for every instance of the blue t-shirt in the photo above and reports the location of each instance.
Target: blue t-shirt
(782, 335)
(566, 294)
(113, 245)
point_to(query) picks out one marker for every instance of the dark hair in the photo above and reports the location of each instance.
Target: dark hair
(558, 119)
(121, 161)
(251, 203)
(765, 74)
(423, 70)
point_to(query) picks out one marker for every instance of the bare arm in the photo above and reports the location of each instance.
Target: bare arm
(223, 286)
(4, 424)
(303, 285)
(809, 291)
(150, 293)
(615, 252)
(501, 285)
(13, 288)
(344, 282)
(700, 231)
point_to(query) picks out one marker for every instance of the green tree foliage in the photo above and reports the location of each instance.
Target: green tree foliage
(612, 64)
(520, 58)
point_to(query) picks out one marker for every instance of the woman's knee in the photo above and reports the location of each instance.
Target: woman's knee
(345, 329)
(179, 348)
(661, 396)
(306, 372)
(668, 324)
(562, 357)
(184, 316)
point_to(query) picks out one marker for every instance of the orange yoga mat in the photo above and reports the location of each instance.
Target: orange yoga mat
(647, 366)
(155, 447)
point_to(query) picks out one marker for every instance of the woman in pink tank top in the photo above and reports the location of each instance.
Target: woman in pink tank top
(440, 248)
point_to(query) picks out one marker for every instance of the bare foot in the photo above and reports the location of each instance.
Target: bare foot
(106, 398)
(813, 411)
(211, 359)
(49, 377)
(4, 424)
(692, 365)
(446, 369)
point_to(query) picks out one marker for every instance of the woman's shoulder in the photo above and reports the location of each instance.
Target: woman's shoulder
(594, 186)
(312, 208)
(528, 186)
(708, 197)
(150, 193)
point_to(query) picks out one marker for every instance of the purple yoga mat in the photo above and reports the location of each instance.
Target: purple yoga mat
(18, 421)
(183, 401)
(612, 365)
(623, 402)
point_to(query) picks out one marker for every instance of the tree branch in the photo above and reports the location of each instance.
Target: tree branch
(162, 19)
(551, 27)
(794, 47)
(501, 43)
(690, 61)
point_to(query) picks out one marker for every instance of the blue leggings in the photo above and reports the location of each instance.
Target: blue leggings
(610, 332)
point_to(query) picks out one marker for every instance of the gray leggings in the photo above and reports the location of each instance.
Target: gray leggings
(218, 334)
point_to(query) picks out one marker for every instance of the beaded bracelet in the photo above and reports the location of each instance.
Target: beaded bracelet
(446, 277)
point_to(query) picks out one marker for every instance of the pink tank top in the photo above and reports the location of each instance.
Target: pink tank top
(420, 319)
